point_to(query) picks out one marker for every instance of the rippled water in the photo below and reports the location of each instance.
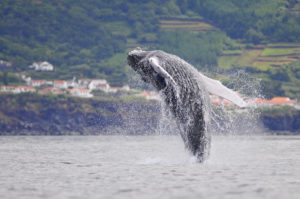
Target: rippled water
(148, 167)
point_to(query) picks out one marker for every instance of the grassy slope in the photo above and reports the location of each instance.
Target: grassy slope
(267, 59)
(266, 56)
(262, 59)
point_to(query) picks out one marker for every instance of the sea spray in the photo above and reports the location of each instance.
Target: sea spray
(230, 120)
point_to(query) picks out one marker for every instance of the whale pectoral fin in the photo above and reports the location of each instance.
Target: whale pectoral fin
(160, 70)
(217, 88)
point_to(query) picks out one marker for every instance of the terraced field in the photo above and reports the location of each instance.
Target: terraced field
(263, 57)
(186, 24)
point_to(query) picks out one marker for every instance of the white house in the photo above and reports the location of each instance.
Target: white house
(23, 89)
(42, 66)
(17, 89)
(37, 82)
(103, 87)
(51, 90)
(94, 82)
(81, 92)
(7, 88)
(126, 88)
(114, 89)
(90, 84)
(60, 84)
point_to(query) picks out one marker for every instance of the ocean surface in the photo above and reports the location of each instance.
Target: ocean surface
(148, 167)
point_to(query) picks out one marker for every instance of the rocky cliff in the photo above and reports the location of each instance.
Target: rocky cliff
(32, 114)
(283, 118)
(29, 114)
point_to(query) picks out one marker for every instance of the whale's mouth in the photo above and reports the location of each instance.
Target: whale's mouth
(136, 59)
(132, 61)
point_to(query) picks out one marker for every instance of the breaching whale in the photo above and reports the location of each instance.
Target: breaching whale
(185, 92)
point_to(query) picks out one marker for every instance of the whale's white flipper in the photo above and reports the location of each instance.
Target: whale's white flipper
(217, 88)
(157, 68)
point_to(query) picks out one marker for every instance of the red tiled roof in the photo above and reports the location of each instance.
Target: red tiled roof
(216, 102)
(275, 100)
(102, 85)
(281, 100)
(83, 90)
(225, 102)
(51, 89)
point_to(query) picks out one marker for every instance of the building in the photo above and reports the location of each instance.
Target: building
(37, 82)
(103, 87)
(276, 101)
(281, 100)
(219, 101)
(80, 92)
(24, 89)
(51, 90)
(215, 99)
(150, 95)
(60, 84)
(125, 88)
(17, 89)
(93, 83)
(7, 89)
(42, 66)
(114, 89)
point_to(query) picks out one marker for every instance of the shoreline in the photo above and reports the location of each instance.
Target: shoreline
(29, 114)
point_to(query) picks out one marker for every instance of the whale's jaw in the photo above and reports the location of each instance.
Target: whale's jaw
(140, 62)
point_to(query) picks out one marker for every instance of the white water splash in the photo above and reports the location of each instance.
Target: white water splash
(234, 121)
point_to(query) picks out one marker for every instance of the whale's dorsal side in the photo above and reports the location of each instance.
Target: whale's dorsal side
(154, 61)
(217, 88)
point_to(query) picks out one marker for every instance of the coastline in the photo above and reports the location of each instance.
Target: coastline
(30, 114)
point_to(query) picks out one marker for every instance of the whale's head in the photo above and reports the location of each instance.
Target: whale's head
(147, 65)
(135, 57)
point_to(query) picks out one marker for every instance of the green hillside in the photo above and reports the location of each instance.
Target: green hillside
(90, 38)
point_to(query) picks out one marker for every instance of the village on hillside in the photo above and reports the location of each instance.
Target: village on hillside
(79, 88)
(87, 88)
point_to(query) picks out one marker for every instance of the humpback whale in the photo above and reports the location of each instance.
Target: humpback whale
(185, 92)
